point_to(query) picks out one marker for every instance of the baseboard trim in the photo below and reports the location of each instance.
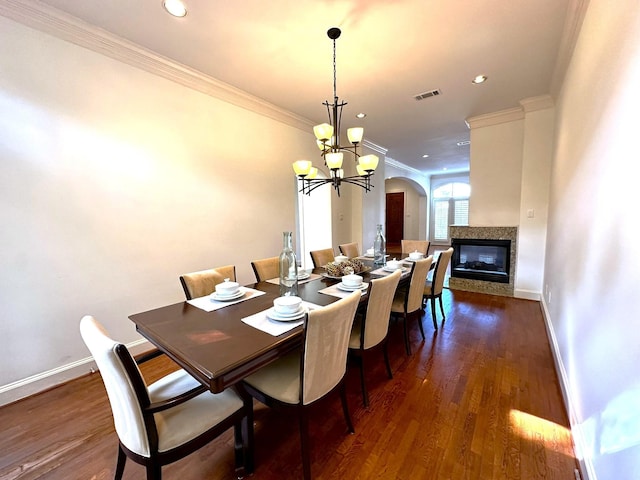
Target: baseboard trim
(527, 294)
(586, 467)
(12, 392)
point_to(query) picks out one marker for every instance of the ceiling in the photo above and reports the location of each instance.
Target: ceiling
(389, 51)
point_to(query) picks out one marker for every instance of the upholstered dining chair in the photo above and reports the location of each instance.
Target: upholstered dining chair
(407, 301)
(303, 377)
(433, 289)
(409, 246)
(199, 284)
(266, 268)
(370, 329)
(350, 250)
(169, 419)
(322, 257)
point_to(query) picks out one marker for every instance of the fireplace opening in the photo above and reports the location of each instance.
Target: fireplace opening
(487, 260)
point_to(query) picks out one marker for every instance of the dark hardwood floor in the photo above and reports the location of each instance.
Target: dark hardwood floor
(479, 399)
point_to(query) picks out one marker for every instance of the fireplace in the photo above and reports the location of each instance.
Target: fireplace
(499, 283)
(481, 259)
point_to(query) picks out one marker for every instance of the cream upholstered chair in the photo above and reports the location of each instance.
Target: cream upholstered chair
(409, 246)
(304, 377)
(199, 284)
(370, 329)
(322, 257)
(169, 419)
(350, 250)
(433, 289)
(266, 268)
(408, 301)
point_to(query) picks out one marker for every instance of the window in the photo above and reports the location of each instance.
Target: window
(450, 207)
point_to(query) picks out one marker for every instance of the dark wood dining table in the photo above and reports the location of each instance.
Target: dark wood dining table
(217, 348)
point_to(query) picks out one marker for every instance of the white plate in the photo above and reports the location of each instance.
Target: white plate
(297, 313)
(344, 288)
(303, 276)
(386, 269)
(227, 298)
(280, 317)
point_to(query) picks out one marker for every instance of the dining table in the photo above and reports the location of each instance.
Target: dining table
(218, 342)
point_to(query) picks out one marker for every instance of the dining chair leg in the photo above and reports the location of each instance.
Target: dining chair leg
(304, 444)
(441, 306)
(385, 352)
(419, 316)
(407, 347)
(122, 459)
(345, 406)
(433, 312)
(154, 472)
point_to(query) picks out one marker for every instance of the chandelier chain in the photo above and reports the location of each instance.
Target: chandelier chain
(334, 71)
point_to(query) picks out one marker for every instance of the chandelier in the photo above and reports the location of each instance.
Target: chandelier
(328, 140)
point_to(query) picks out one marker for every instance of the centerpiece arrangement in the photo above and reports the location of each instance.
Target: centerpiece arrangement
(348, 267)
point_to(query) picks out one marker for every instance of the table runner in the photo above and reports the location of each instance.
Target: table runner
(273, 327)
(208, 304)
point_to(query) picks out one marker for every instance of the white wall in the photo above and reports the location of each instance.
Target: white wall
(113, 182)
(592, 268)
(537, 153)
(369, 208)
(495, 174)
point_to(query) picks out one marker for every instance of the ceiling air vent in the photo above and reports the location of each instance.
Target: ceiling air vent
(431, 93)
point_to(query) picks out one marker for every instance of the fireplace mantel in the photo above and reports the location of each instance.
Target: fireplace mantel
(486, 233)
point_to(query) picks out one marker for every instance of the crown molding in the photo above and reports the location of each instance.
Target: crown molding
(394, 163)
(576, 11)
(533, 104)
(495, 118)
(66, 27)
(375, 147)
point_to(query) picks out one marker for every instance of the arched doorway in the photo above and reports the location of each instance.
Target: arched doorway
(406, 212)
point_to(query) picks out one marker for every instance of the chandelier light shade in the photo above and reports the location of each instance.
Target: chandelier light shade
(328, 141)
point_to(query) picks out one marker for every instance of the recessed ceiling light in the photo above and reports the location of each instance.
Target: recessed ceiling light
(175, 7)
(479, 79)
(463, 143)
(361, 115)
(425, 156)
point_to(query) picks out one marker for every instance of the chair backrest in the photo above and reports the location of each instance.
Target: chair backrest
(326, 343)
(322, 257)
(440, 271)
(266, 268)
(351, 250)
(415, 293)
(376, 321)
(124, 383)
(409, 246)
(199, 284)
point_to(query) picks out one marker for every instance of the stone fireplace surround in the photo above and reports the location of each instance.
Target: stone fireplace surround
(487, 233)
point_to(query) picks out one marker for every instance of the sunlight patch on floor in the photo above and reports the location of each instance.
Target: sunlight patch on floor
(554, 436)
